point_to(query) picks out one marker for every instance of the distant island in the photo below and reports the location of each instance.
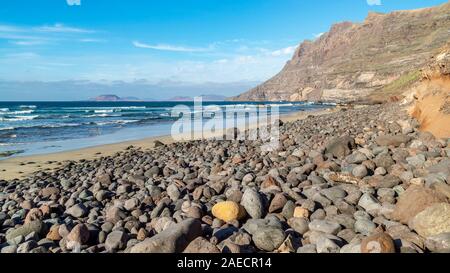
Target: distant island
(112, 98)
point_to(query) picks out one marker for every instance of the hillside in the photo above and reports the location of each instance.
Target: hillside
(352, 61)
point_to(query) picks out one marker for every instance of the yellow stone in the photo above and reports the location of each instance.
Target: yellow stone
(300, 212)
(228, 211)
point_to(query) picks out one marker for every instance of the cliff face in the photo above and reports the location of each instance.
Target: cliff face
(353, 60)
(429, 100)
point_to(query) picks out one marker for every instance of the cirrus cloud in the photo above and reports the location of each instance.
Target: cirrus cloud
(165, 47)
(284, 51)
(73, 2)
(60, 28)
(374, 2)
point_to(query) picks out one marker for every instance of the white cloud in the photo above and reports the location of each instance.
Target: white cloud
(73, 2)
(318, 35)
(23, 55)
(91, 40)
(374, 2)
(284, 51)
(222, 61)
(7, 28)
(14, 36)
(164, 47)
(245, 59)
(49, 34)
(28, 42)
(60, 28)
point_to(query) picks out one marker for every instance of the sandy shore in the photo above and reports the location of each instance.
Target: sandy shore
(19, 167)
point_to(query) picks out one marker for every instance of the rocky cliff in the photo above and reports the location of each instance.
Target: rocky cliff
(354, 60)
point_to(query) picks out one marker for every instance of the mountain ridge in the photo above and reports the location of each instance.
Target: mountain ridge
(353, 60)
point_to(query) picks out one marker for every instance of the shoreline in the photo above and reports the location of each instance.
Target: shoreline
(22, 166)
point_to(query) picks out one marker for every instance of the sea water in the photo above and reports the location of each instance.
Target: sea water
(47, 127)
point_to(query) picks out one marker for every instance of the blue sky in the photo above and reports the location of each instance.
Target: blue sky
(194, 41)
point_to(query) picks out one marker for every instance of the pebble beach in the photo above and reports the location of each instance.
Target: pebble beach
(354, 180)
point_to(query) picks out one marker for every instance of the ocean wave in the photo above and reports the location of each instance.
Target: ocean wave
(60, 125)
(94, 108)
(131, 107)
(16, 112)
(280, 104)
(42, 126)
(28, 106)
(104, 115)
(114, 122)
(12, 143)
(7, 128)
(19, 118)
(212, 108)
(104, 111)
(236, 105)
(4, 109)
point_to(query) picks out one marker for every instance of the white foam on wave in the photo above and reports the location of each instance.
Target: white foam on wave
(115, 122)
(16, 112)
(28, 106)
(117, 108)
(103, 115)
(4, 109)
(19, 118)
(59, 125)
(131, 107)
(281, 104)
(213, 108)
(104, 111)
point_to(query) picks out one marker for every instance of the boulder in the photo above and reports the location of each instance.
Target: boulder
(269, 238)
(340, 147)
(392, 140)
(252, 202)
(228, 211)
(432, 221)
(325, 226)
(439, 243)
(116, 240)
(277, 203)
(78, 236)
(414, 200)
(172, 240)
(34, 226)
(378, 243)
(201, 245)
